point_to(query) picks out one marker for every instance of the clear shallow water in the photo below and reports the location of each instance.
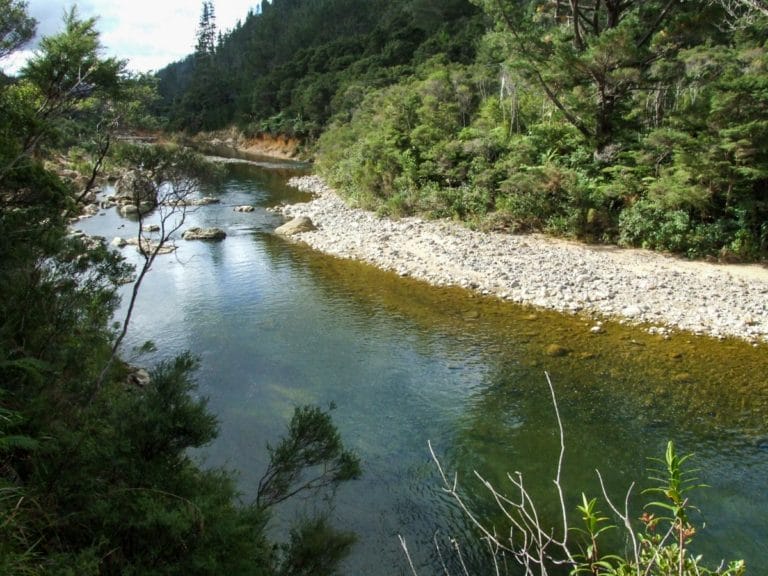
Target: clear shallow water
(277, 325)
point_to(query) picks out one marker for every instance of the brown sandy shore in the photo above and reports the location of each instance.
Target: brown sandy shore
(639, 286)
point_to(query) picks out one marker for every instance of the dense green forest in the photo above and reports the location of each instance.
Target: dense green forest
(644, 123)
(639, 123)
(95, 471)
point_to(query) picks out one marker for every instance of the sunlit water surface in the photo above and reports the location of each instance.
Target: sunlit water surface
(277, 325)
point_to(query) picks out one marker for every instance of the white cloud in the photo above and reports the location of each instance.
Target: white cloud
(147, 33)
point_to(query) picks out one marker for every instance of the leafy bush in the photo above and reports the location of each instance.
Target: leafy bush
(646, 225)
(660, 543)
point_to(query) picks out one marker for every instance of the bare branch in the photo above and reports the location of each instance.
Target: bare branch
(404, 546)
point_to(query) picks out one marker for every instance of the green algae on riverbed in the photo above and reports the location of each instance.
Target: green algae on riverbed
(277, 324)
(707, 382)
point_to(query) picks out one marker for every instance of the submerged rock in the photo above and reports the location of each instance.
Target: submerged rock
(147, 246)
(204, 234)
(244, 208)
(296, 226)
(556, 350)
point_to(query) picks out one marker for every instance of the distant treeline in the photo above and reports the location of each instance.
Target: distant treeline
(291, 66)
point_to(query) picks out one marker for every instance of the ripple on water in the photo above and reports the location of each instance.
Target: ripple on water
(278, 325)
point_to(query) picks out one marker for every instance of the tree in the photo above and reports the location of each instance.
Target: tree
(588, 57)
(206, 31)
(95, 471)
(64, 77)
(16, 26)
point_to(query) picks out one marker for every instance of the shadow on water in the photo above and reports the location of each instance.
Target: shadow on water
(277, 325)
(622, 394)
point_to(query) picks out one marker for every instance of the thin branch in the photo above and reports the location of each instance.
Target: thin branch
(570, 116)
(560, 465)
(404, 546)
(624, 516)
(659, 19)
(179, 189)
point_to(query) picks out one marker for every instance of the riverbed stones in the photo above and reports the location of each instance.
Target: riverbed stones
(296, 226)
(638, 286)
(128, 210)
(197, 233)
(147, 246)
(204, 201)
(244, 209)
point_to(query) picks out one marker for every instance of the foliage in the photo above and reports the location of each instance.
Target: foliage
(655, 544)
(95, 471)
(637, 122)
(642, 123)
(312, 446)
(287, 67)
(16, 26)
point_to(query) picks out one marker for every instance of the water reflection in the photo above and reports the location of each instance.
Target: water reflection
(277, 325)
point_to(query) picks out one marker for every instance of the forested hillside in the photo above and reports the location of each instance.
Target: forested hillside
(295, 63)
(642, 123)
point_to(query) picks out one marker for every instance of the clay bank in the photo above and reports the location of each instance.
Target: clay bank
(638, 286)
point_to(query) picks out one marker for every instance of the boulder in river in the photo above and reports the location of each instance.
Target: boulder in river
(296, 226)
(139, 377)
(204, 201)
(244, 208)
(204, 234)
(147, 246)
(136, 187)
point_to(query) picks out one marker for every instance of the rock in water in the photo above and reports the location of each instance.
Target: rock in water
(205, 201)
(296, 226)
(139, 377)
(204, 234)
(556, 350)
(136, 187)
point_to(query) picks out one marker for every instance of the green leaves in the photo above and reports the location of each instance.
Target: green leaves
(68, 67)
(662, 547)
(16, 26)
(309, 458)
(674, 483)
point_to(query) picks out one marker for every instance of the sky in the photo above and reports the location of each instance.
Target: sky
(147, 33)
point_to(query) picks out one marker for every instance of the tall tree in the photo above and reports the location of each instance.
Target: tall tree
(206, 31)
(588, 56)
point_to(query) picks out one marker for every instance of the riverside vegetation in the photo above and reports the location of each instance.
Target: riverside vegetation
(95, 471)
(647, 125)
(642, 123)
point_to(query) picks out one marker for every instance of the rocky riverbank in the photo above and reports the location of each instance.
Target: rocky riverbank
(637, 286)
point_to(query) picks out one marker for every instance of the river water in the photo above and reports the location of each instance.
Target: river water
(277, 325)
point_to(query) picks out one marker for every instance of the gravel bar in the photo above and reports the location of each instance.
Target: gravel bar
(637, 286)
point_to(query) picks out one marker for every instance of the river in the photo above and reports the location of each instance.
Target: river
(277, 325)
